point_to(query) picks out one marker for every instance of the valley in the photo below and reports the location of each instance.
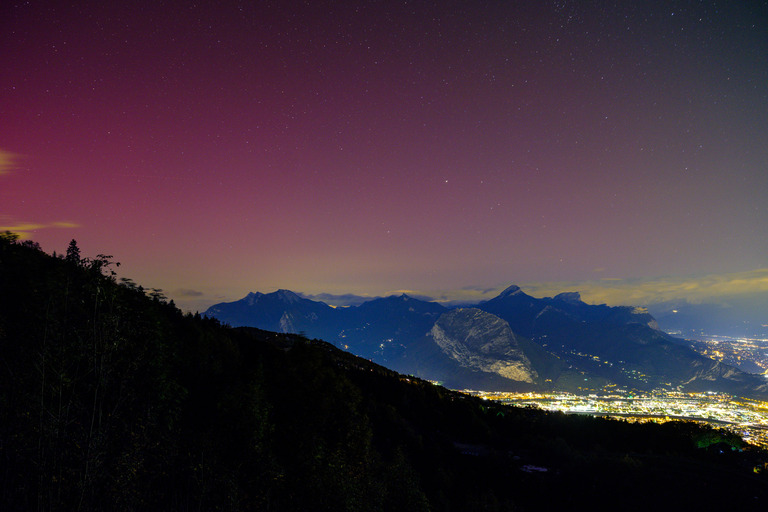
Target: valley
(748, 354)
(744, 417)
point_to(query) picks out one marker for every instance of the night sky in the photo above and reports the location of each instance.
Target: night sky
(447, 148)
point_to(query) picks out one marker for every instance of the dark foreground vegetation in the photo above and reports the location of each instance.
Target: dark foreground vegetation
(113, 399)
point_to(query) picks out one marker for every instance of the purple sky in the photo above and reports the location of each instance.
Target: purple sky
(445, 147)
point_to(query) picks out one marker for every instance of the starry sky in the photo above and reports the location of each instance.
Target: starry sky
(447, 148)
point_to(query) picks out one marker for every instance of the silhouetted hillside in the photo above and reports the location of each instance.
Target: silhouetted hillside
(112, 399)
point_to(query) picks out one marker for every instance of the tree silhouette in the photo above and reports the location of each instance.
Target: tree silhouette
(73, 252)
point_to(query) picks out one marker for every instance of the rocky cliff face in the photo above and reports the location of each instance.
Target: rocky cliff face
(482, 341)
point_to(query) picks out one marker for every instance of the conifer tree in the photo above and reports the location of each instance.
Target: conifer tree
(73, 252)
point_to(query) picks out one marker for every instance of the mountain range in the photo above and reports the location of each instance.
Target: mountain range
(511, 342)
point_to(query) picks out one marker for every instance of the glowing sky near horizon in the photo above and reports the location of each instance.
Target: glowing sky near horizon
(217, 148)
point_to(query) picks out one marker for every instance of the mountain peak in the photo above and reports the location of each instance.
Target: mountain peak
(394, 298)
(287, 296)
(252, 298)
(572, 297)
(512, 290)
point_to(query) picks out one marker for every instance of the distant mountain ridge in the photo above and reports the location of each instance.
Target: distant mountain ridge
(279, 311)
(745, 318)
(620, 345)
(511, 342)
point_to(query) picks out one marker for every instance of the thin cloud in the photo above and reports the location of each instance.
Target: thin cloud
(25, 229)
(185, 292)
(461, 296)
(483, 290)
(7, 161)
(614, 291)
(399, 292)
